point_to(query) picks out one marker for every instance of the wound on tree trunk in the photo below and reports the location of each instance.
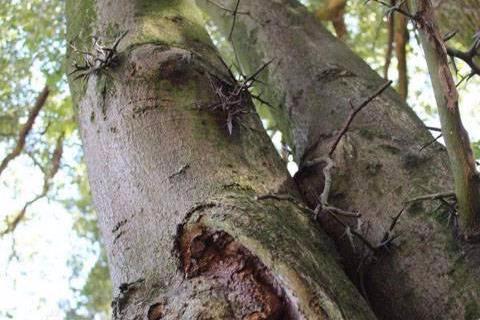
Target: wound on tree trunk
(175, 180)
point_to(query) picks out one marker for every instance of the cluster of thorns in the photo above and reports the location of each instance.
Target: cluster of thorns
(101, 58)
(231, 99)
(232, 96)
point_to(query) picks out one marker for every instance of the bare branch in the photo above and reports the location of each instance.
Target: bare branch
(388, 237)
(13, 222)
(434, 196)
(354, 112)
(25, 130)
(235, 11)
(395, 8)
(468, 57)
(431, 142)
(434, 129)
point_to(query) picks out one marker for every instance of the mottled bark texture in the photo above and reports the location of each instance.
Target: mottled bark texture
(379, 165)
(176, 193)
(466, 177)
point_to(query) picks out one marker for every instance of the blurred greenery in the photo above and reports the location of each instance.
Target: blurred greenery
(32, 47)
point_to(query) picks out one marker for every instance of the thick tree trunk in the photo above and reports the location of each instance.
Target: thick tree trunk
(379, 162)
(187, 231)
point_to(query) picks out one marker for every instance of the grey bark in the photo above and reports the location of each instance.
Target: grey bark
(186, 233)
(379, 164)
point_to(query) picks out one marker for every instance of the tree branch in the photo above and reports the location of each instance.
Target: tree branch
(354, 112)
(25, 130)
(13, 222)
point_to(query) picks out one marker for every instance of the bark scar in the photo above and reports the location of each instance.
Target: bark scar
(252, 290)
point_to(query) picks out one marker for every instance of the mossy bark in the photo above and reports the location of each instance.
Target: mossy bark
(312, 81)
(176, 194)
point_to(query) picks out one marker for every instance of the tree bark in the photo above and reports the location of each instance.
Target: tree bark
(466, 177)
(401, 41)
(379, 164)
(179, 199)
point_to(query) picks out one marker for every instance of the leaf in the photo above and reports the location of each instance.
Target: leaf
(476, 149)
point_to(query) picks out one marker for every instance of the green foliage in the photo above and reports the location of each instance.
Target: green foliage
(93, 300)
(476, 149)
(32, 47)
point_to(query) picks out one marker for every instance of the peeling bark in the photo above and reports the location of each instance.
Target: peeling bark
(175, 183)
(379, 165)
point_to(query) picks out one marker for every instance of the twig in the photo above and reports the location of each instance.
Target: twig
(434, 196)
(226, 9)
(388, 237)
(285, 197)
(234, 20)
(342, 212)
(298, 203)
(372, 247)
(25, 130)
(232, 95)
(101, 58)
(467, 56)
(397, 8)
(431, 142)
(434, 129)
(354, 113)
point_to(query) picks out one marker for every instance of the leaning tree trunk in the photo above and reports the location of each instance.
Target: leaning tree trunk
(183, 208)
(313, 79)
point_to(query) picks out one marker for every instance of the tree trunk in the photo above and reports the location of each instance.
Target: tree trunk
(187, 231)
(462, 161)
(379, 162)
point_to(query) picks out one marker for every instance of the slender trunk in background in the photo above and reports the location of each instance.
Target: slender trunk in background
(401, 41)
(179, 203)
(462, 161)
(313, 79)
